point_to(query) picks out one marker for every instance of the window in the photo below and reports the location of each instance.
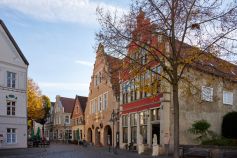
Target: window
(207, 94)
(143, 56)
(95, 80)
(67, 120)
(142, 78)
(100, 103)
(105, 100)
(125, 92)
(11, 108)
(125, 128)
(11, 135)
(227, 97)
(155, 114)
(91, 107)
(95, 105)
(133, 127)
(143, 131)
(77, 110)
(100, 77)
(147, 82)
(143, 125)
(143, 117)
(159, 38)
(132, 90)
(167, 47)
(11, 79)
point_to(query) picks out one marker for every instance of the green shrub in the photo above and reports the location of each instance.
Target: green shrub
(229, 125)
(221, 141)
(201, 130)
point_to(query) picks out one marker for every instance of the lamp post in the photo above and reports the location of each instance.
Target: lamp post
(64, 132)
(113, 119)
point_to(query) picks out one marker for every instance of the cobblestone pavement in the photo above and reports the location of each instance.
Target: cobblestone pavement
(69, 151)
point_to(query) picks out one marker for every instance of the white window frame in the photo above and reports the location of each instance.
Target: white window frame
(12, 108)
(11, 79)
(228, 97)
(67, 118)
(11, 135)
(207, 97)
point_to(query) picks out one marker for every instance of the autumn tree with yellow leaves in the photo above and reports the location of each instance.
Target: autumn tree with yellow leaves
(193, 33)
(38, 104)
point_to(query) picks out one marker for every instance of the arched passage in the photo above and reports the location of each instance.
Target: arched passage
(89, 135)
(107, 135)
(97, 136)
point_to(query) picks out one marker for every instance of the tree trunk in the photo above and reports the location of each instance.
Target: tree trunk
(176, 120)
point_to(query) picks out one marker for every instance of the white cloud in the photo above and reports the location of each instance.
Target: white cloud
(64, 86)
(86, 63)
(78, 11)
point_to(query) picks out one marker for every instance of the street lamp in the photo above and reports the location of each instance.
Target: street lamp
(113, 119)
(64, 132)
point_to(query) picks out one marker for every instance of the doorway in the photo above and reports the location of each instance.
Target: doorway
(97, 136)
(156, 130)
(89, 135)
(107, 136)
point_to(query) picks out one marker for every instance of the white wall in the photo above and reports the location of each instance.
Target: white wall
(11, 61)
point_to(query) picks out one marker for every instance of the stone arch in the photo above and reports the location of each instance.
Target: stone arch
(89, 135)
(107, 135)
(97, 136)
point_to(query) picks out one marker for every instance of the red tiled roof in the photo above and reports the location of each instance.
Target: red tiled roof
(209, 63)
(67, 103)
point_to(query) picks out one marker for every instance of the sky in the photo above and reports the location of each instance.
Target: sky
(58, 39)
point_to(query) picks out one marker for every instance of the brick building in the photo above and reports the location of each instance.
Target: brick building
(104, 88)
(78, 118)
(211, 95)
(62, 123)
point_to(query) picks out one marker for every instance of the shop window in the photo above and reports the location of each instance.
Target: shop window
(155, 114)
(133, 118)
(125, 128)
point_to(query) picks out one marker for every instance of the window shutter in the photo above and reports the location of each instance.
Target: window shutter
(207, 94)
